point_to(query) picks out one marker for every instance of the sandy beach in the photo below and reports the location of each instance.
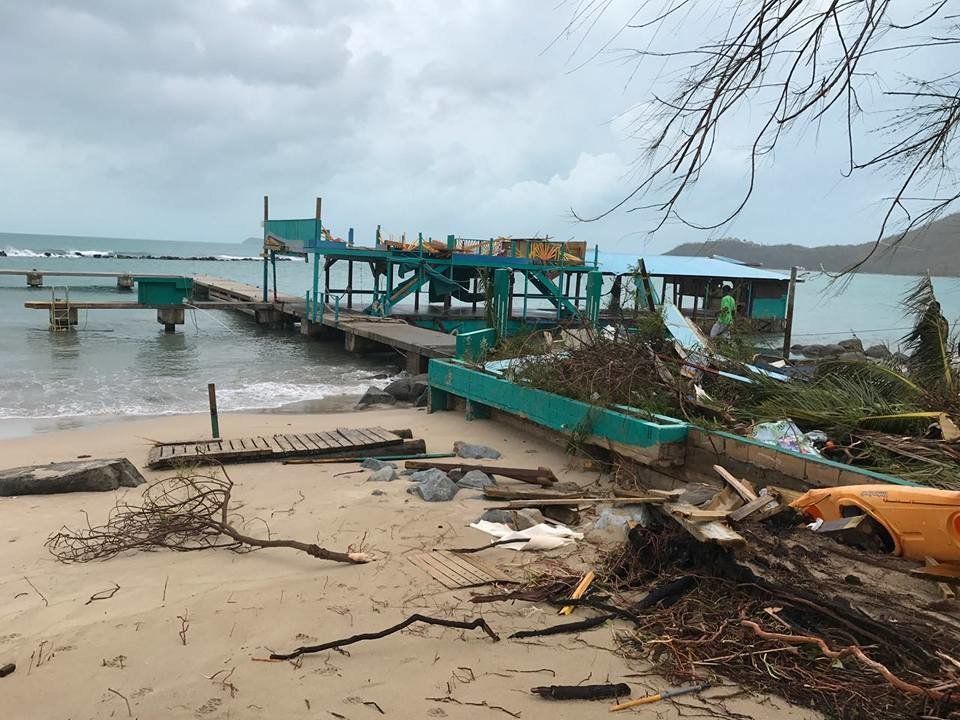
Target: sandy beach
(123, 656)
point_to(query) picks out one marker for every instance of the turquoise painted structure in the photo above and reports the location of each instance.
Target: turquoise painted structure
(163, 291)
(475, 345)
(622, 430)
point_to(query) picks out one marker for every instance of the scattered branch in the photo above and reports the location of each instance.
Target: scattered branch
(124, 698)
(184, 513)
(103, 594)
(42, 597)
(463, 625)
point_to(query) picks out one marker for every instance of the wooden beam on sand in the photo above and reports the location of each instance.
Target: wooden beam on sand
(553, 502)
(542, 476)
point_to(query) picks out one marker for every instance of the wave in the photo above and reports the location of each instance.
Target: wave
(252, 396)
(11, 251)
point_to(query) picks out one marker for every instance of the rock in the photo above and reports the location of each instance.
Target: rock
(852, 356)
(437, 488)
(399, 389)
(418, 385)
(384, 474)
(831, 350)
(499, 516)
(475, 479)
(376, 396)
(378, 492)
(878, 352)
(376, 464)
(515, 519)
(78, 476)
(527, 518)
(422, 399)
(852, 345)
(475, 452)
(425, 475)
(796, 348)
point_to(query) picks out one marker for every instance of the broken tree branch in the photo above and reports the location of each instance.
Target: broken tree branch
(462, 625)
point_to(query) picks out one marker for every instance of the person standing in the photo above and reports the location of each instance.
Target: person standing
(728, 310)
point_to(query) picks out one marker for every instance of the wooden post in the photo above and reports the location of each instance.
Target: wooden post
(214, 420)
(273, 262)
(266, 216)
(788, 326)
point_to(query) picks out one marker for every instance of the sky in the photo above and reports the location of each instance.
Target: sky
(171, 119)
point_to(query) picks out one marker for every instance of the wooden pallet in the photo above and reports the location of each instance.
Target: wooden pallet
(453, 570)
(276, 447)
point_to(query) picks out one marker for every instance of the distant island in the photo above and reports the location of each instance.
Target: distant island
(934, 247)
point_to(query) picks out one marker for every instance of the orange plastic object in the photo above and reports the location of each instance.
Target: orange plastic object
(922, 522)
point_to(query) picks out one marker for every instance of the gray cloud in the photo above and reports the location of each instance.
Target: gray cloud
(170, 119)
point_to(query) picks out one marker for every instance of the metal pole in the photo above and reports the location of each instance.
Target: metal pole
(316, 260)
(788, 326)
(266, 216)
(214, 420)
(273, 262)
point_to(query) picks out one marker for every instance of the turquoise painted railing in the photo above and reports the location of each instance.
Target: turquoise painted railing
(622, 429)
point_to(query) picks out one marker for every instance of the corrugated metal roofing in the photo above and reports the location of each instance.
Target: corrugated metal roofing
(682, 265)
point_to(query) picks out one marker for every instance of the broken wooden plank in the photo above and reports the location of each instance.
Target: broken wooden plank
(457, 571)
(542, 476)
(553, 502)
(941, 573)
(741, 486)
(559, 491)
(762, 502)
(945, 589)
(710, 532)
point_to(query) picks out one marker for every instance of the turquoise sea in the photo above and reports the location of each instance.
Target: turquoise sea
(120, 363)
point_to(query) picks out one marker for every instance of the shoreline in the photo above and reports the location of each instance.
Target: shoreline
(19, 428)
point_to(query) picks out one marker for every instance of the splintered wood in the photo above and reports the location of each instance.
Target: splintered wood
(456, 571)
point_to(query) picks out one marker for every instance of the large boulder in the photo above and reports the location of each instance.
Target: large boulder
(437, 488)
(852, 356)
(376, 396)
(63, 477)
(475, 452)
(387, 473)
(852, 345)
(476, 479)
(399, 389)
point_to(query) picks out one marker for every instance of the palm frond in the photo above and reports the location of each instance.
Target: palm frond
(928, 344)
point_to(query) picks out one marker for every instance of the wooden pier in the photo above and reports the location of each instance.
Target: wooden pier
(361, 333)
(125, 280)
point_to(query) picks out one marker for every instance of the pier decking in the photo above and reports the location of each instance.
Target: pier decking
(361, 333)
(125, 280)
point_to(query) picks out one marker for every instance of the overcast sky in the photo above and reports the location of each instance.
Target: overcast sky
(172, 118)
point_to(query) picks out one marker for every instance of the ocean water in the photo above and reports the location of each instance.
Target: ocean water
(121, 363)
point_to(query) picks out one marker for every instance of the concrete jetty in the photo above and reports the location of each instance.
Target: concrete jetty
(125, 280)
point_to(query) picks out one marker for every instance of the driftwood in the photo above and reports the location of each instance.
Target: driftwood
(562, 491)
(542, 476)
(582, 692)
(187, 512)
(564, 627)
(462, 625)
